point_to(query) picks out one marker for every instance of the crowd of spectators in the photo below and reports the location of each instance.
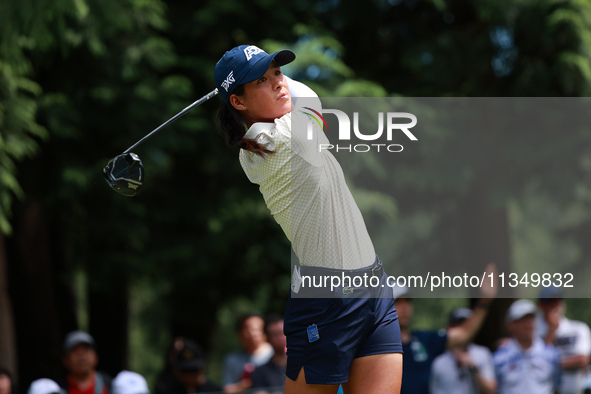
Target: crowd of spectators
(545, 352)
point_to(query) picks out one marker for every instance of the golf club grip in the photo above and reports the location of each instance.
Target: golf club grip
(184, 111)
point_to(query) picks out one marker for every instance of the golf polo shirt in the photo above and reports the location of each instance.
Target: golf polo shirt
(305, 189)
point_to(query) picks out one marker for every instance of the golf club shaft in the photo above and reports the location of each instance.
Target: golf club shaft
(184, 111)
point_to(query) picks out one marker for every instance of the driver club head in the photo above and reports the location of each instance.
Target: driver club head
(125, 174)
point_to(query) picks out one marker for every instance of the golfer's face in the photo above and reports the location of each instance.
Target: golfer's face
(267, 98)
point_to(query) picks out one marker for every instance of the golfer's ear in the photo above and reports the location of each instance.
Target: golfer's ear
(237, 102)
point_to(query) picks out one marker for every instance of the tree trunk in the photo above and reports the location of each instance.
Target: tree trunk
(109, 311)
(8, 357)
(485, 231)
(34, 297)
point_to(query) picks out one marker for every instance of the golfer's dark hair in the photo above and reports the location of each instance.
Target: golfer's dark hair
(233, 128)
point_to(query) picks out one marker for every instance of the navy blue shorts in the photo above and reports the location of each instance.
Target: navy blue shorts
(325, 334)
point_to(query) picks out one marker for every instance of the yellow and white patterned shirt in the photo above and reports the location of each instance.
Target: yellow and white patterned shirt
(305, 189)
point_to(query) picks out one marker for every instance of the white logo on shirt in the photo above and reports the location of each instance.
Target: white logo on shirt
(251, 51)
(228, 81)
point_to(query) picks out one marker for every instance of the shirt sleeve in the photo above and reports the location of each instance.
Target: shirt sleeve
(583, 340)
(434, 376)
(496, 366)
(231, 370)
(557, 370)
(306, 123)
(302, 96)
(486, 368)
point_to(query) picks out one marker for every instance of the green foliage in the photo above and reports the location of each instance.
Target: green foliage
(18, 133)
(320, 64)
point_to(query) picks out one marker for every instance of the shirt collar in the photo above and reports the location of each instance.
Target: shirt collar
(536, 345)
(258, 128)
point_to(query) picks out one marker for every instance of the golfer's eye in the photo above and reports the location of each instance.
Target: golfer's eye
(263, 79)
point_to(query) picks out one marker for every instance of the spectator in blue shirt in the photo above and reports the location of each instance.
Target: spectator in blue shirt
(421, 347)
(256, 351)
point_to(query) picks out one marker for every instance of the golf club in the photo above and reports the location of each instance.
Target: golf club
(125, 172)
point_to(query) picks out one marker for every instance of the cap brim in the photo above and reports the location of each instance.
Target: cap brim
(72, 345)
(521, 316)
(281, 58)
(553, 299)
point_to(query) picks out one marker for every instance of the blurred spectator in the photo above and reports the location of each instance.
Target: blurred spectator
(166, 376)
(270, 377)
(587, 382)
(525, 364)
(45, 386)
(571, 338)
(421, 347)
(80, 359)
(466, 369)
(5, 381)
(127, 382)
(188, 372)
(256, 351)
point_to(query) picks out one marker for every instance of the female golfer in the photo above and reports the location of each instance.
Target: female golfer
(344, 335)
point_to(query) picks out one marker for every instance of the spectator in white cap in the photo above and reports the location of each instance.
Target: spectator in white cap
(128, 382)
(44, 386)
(80, 360)
(525, 363)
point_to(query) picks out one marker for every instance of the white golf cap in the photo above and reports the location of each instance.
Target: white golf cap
(127, 382)
(44, 386)
(519, 309)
